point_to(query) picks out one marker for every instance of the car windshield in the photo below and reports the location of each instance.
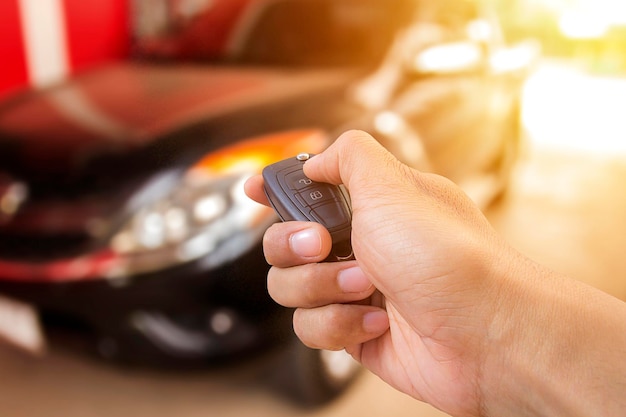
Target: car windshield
(324, 32)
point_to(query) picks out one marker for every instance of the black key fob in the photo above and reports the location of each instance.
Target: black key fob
(295, 197)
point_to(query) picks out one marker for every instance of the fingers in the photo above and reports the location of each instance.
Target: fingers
(325, 292)
(253, 188)
(296, 243)
(337, 326)
(315, 285)
(333, 299)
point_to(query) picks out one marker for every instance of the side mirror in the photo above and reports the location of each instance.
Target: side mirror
(455, 58)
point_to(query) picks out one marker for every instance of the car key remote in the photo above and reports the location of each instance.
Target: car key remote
(296, 197)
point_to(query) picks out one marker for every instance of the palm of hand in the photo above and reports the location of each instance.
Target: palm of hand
(430, 350)
(421, 366)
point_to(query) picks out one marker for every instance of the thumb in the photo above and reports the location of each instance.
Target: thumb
(354, 157)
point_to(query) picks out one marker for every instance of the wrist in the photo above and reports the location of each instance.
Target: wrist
(553, 347)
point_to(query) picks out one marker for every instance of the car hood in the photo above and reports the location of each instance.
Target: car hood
(126, 116)
(84, 149)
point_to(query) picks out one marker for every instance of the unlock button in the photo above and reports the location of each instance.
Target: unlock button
(317, 195)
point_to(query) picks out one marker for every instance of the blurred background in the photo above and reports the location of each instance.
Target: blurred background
(131, 276)
(578, 88)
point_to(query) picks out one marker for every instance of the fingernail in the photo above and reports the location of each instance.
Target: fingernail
(306, 243)
(353, 280)
(376, 322)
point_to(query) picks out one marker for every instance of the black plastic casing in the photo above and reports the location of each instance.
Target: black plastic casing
(295, 197)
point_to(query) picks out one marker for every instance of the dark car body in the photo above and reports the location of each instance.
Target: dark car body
(85, 163)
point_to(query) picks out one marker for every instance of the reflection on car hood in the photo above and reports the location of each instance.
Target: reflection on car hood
(107, 118)
(84, 149)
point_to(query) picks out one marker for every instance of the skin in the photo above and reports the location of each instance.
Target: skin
(437, 304)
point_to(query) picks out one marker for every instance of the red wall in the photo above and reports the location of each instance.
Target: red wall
(13, 72)
(96, 31)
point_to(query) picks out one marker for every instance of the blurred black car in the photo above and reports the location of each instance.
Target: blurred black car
(121, 205)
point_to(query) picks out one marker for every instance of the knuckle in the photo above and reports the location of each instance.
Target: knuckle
(336, 334)
(308, 290)
(296, 287)
(273, 245)
(313, 329)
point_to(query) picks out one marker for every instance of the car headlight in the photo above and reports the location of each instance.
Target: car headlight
(200, 215)
(206, 215)
(189, 223)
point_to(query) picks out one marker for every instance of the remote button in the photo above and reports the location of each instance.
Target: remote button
(317, 195)
(298, 181)
(330, 215)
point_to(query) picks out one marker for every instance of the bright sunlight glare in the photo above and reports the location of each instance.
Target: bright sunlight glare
(570, 109)
(588, 19)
